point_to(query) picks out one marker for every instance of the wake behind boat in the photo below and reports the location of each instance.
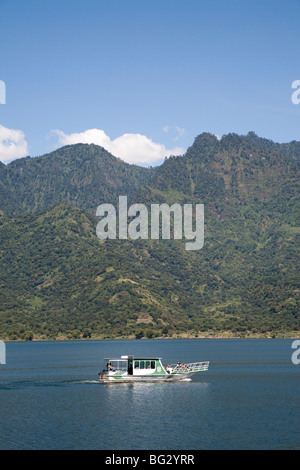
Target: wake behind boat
(142, 369)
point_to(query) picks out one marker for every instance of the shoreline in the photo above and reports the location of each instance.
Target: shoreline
(288, 335)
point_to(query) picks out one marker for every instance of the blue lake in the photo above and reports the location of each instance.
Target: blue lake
(50, 397)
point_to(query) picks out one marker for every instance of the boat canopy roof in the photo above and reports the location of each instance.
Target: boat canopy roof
(115, 359)
(137, 358)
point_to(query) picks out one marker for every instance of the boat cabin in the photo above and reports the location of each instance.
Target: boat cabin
(135, 366)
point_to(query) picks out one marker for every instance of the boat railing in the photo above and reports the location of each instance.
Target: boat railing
(190, 367)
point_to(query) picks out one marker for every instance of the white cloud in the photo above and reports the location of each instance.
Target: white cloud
(132, 148)
(12, 144)
(166, 129)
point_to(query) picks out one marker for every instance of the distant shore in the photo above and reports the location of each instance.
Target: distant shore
(202, 335)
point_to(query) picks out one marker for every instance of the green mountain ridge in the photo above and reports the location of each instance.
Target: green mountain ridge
(81, 175)
(57, 279)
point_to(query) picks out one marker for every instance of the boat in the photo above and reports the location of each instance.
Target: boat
(147, 369)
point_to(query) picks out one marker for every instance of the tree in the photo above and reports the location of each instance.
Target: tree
(28, 335)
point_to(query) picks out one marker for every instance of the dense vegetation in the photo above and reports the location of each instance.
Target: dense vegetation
(57, 279)
(81, 175)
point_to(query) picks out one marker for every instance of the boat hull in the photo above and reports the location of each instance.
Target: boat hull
(145, 379)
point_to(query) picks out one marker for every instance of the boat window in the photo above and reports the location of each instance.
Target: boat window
(117, 365)
(144, 364)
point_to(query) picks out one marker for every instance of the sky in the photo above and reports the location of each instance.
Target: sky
(143, 78)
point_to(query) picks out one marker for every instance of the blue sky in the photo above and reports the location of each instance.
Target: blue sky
(145, 77)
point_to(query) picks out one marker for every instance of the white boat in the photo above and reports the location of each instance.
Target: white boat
(145, 369)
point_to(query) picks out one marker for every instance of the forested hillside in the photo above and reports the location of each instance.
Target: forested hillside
(81, 175)
(57, 279)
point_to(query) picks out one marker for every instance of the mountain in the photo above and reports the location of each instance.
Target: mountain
(58, 279)
(82, 175)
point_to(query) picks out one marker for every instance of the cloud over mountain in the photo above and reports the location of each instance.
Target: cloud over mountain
(132, 148)
(12, 144)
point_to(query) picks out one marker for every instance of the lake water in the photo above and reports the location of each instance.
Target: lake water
(50, 397)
